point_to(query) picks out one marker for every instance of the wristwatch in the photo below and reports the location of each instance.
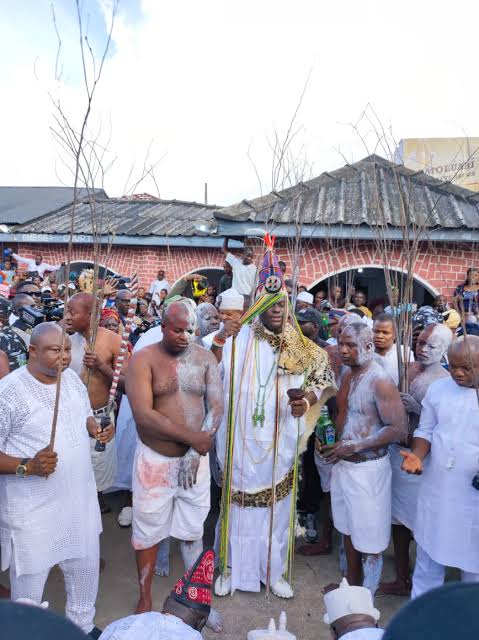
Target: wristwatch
(21, 471)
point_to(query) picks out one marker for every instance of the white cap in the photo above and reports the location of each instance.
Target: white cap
(231, 300)
(347, 600)
(44, 289)
(304, 296)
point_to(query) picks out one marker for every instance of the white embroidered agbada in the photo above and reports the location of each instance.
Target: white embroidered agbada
(104, 462)
(447, 518)
(44, 521)
(253, 460)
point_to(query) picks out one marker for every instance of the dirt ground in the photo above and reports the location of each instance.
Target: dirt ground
(242, 612)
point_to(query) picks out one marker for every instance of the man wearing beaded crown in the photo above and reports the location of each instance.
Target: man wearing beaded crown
(260, 437)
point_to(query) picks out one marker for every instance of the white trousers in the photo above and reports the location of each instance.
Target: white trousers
(81, 584)
(429, 574)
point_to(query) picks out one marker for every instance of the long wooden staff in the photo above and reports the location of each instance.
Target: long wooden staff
(124, 343)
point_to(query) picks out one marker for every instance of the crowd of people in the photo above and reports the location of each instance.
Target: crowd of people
(255, 400)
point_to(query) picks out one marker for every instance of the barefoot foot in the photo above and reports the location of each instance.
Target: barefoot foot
(330, 587)
(4, 592)
(397, 588)
(215, 621)
(321, 548)
(144, 605)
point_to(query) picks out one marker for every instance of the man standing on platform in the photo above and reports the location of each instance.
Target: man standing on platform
(244, 270)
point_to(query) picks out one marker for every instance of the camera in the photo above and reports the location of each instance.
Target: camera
(50, 311)
(32, 316)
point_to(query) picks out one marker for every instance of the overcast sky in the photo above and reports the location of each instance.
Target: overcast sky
(201, 82)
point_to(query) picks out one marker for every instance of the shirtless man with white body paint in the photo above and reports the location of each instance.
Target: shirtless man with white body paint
(432, 344)
(175, 392)
(370, 416)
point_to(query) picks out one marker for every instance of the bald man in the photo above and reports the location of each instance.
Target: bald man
(208, 319)
(447, 517)
(97, 365)
(431, 347)
(43, 524)
(175, 392)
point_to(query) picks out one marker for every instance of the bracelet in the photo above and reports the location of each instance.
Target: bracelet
(218, 342)
(308, 404)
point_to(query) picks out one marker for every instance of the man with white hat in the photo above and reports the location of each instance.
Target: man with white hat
(230, 306)
(350, 613)
(304, 300)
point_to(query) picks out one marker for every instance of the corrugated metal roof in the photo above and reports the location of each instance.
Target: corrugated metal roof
(127, 217)
(19, 205)
(369, 192)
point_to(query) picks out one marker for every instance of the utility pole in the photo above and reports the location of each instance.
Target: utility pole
(206, 193)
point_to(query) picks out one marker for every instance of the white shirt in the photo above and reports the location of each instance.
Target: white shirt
(390, 361)
(157, 285)
(150, 626)
(244, 275)
(364, 634)
(447, 518)
(33, 266)
(43, 522)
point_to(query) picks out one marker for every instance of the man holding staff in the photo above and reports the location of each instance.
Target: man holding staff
(55, 521)
(100, 362)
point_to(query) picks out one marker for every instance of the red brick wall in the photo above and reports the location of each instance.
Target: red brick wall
(440, 267)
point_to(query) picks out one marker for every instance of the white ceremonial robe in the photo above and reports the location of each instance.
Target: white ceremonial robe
(253, 462)
(447, 517)
(43, 522)
(126, 434)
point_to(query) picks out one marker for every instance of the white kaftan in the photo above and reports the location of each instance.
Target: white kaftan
(447, 518)
(253, 461)
(44, 522)
(104, 462)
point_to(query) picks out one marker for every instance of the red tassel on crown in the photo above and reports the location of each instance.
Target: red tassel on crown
(194, 589)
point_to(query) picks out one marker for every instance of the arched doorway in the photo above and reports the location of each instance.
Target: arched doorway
(371, 280)
(78, 266)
